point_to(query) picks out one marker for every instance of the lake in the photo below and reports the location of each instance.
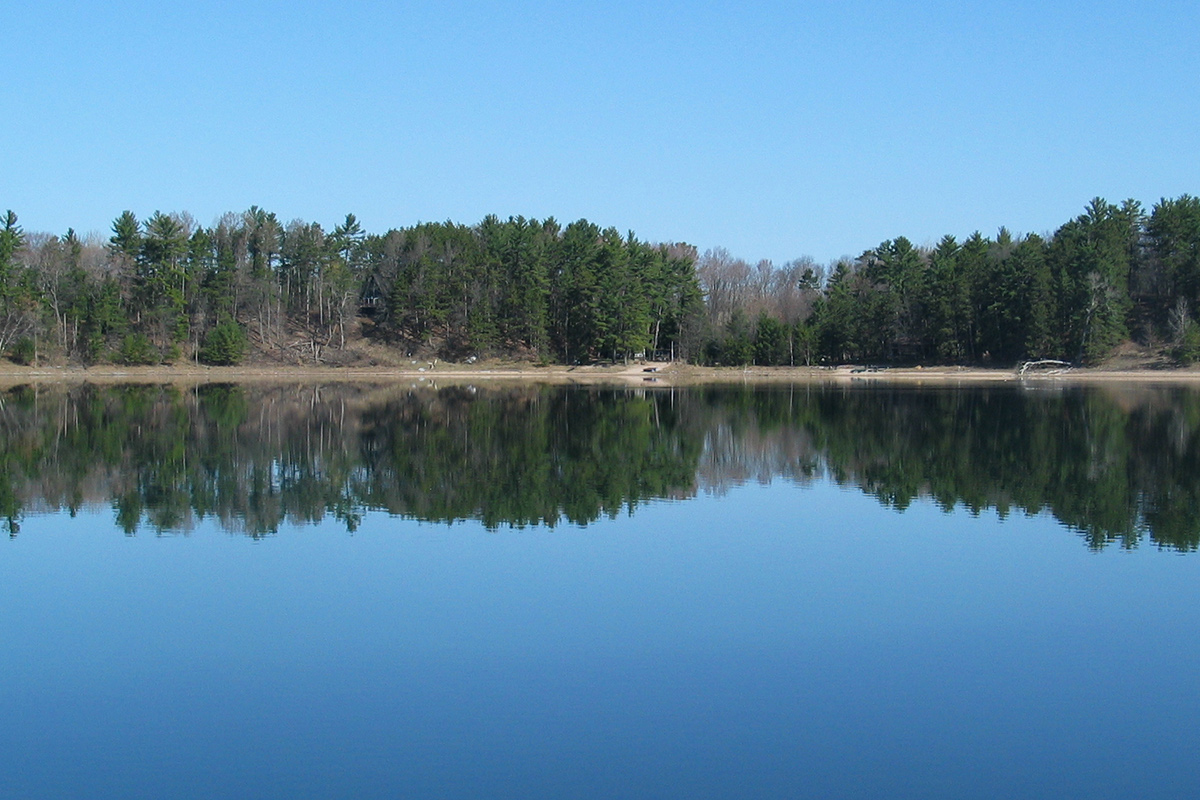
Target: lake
(363, 591)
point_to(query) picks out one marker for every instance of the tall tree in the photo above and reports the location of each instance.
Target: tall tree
(1093, 256)
(576, 295)
(125, 248)
(16, 289)
(1172, 273)
(161, 286)
(948, 306)
(344, 277)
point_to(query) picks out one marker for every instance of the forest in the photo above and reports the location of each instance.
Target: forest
(168, 289)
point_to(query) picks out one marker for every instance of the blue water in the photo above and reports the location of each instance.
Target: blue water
(775, 641)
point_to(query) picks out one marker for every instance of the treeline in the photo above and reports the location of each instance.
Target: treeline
(168, 289)
(1112, 274)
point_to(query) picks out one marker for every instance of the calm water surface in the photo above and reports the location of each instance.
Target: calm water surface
(790, 592)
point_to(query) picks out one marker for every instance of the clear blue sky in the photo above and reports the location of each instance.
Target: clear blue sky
(773, 129)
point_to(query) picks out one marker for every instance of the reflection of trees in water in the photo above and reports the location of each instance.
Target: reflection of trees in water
(751, 436)
(1116, 466)
(255, 457)
(524, 457)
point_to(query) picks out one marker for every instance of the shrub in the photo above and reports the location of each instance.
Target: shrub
(1187, 348)
(225, 344)
(136, 349)
(23, 351)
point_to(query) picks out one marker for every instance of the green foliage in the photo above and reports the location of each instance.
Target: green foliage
(225, 344)
(136, 350)
(533, 289)
(771, 341)
(1185, 334)
(1187, 351)
(1094, 256)
(1107, 275)
(805, 342)
(1172, 273)
(11, 239)
(19, 291)
(1016, 312)
(839, 317)
(737, 348)
(127, 236)
(23, 350)
(575, 297)
(103, 319)
(894, 273)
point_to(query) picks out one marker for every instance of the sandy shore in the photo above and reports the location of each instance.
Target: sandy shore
(641, 374)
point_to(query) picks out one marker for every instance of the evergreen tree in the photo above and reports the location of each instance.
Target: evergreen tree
(17, 291)
(972, 263)
(1173, 263)
(1093, 256)
(575, 298)
(225, 344)
(161, 283)
(948, 305)
(770, 341)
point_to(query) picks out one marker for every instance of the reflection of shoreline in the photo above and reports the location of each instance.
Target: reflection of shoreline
(255, 456)
(1115, 463)
(622, 375)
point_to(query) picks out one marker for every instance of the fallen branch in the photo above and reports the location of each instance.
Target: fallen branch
(1045, 362)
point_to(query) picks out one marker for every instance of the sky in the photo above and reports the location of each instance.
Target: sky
(773, 129)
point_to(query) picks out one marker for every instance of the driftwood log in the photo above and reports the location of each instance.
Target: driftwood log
(1045, 362)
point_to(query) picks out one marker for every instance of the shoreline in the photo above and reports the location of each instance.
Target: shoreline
(638, 374)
